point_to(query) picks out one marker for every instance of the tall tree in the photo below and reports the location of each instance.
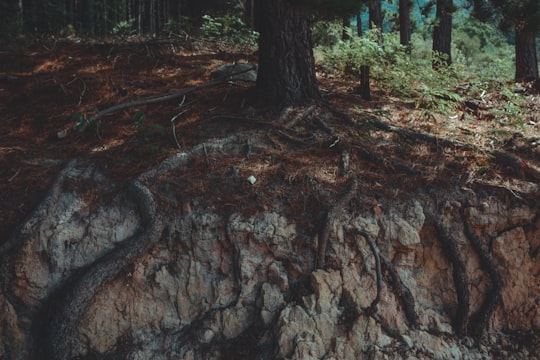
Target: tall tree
(359, 31)
(405, 22)
(523, 16)
(286, 74)
(10, 19)
(376, 21)
(442, 32)
(376, 18)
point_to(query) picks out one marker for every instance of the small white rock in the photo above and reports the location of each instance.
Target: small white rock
(252, 179)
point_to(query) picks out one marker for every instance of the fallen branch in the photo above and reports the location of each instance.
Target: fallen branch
(493, 297)
(158, 99)
(162, 98)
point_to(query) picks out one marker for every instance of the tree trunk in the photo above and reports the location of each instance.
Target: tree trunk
(405, 22)
(345, 34)
(376, 18)
(375, 22)
(249, 13)
(526, 55)
(442, 33)
(359, 31)
(34, 15)
(286, 73)
(10, 18)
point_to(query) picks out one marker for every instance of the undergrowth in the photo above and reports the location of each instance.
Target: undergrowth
(482, 65)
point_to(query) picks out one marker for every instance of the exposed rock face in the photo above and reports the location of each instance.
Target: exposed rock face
(222, 284)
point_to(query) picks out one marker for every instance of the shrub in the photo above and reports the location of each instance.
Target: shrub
(229, 30)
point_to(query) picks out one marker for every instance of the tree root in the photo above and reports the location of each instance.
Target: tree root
(372, 309)
(518, 167)
(52, 196)
(395, 165)
(460, 281)
(477, 327)
(333, 213)
(77, 294)
(402, 291)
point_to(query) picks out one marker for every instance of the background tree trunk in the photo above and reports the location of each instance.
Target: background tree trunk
(376, 18)
(376, 21)
(345, 34)
(442, 32)
(286, 73)
(359, 30)
(526, 55)
(405, 22)
(10, 17)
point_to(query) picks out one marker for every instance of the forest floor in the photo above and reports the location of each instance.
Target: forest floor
(47, 89)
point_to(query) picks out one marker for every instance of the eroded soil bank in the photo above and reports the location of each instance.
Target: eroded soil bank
(210, 228)
(176, 265)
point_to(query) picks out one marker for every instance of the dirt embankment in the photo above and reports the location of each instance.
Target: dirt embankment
(208, 229)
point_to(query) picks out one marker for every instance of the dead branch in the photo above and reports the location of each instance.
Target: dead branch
(402, 291)
(162, 98)
(460, 280)
(493, 297)
(333, 213)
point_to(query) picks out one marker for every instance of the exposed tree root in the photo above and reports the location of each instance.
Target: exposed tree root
(76, 298)
(518, 167)
(372, 309)
(333, 213)
(402, 291)
(477, 327)
(52, 197)
(460, 280)
(395, 165)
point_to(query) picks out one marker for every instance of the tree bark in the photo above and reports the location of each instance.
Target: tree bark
(526, 55)
(10, 18)
(405, 22)
(442, 33)
(359, 31)
(286, 74)
(345, 35)
(376, 18)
